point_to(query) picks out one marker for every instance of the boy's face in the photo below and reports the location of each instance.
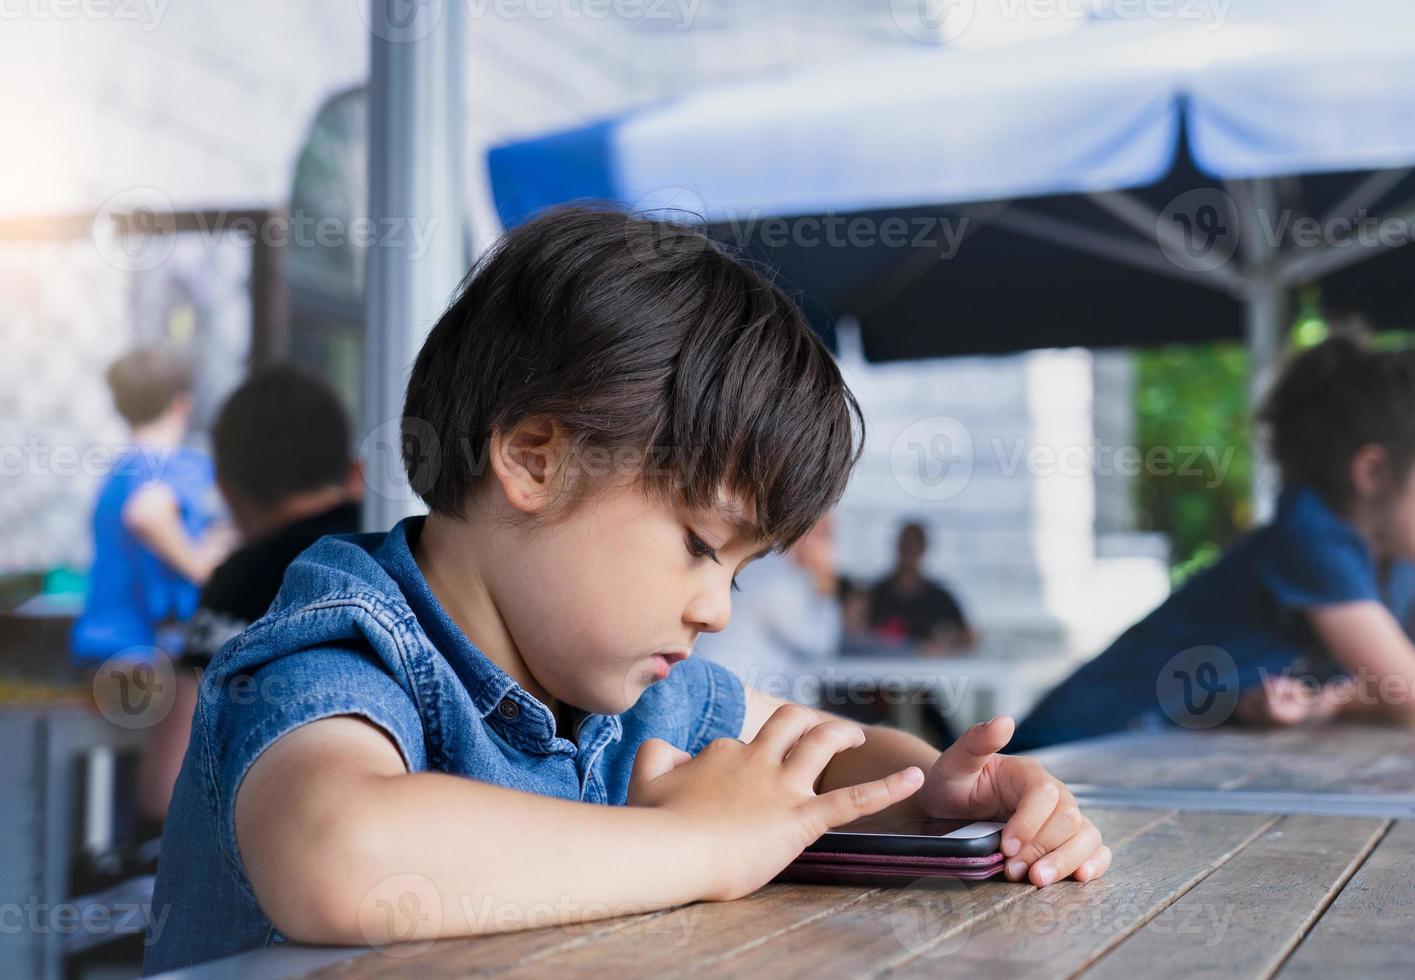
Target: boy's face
(603, 603)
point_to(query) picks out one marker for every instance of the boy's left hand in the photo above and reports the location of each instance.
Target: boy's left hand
(1046, 837)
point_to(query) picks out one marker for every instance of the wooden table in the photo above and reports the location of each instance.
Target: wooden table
(1190, 894)
(1337, 770)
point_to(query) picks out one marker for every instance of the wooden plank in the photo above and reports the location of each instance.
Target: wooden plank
(1245, 918)
(854, 940)
(1367, 930)
(1061, 929)
(1343, 758)
(668, 941)
(646, 938)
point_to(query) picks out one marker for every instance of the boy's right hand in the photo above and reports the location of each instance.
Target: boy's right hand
(753, 806)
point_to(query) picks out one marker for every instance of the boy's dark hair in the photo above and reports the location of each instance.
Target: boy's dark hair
(282, 432)
(1329, 402)
(146, 381)
(644, 339)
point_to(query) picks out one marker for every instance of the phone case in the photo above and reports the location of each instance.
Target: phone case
(828, 867)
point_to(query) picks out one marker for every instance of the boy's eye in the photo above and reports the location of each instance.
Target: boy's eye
(701, 549)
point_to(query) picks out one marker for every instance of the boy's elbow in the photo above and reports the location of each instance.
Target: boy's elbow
(324, 892)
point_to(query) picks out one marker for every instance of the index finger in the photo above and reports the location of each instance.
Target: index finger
(840, 806)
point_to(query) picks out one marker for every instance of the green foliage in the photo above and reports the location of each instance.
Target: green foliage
(1193, 430)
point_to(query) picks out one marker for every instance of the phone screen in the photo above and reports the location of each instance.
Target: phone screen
(920, 827)
(919, 836)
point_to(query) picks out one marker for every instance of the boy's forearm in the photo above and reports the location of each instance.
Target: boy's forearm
(440, 856)
(886, 750)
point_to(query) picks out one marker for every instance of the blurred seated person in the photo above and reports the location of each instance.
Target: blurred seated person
(284, 467)
(786, 617)
(907, 608)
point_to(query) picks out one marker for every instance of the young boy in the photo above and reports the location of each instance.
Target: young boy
(612, 419)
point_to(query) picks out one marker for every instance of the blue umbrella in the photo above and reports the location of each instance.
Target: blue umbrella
(1182, 152)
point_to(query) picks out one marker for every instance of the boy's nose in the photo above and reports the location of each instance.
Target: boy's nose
(709, 611)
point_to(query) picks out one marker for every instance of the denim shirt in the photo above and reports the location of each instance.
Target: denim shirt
(355, 630)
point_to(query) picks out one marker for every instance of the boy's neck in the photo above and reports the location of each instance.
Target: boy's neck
(449, 554)
(163, 432)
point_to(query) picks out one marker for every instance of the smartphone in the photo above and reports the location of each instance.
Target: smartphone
(911, 836)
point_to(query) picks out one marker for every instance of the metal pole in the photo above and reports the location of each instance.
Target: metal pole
(417, 208)
(1266, 313)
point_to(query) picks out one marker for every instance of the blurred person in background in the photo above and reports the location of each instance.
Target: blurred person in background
(905, 607)
(156, 540)
(786, 618)
(1305, 619)
(285, 469)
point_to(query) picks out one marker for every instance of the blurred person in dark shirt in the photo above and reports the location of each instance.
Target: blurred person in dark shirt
(284, 465)
(907, 607)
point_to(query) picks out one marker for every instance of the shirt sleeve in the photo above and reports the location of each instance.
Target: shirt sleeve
(1313, 564)
(241, 715)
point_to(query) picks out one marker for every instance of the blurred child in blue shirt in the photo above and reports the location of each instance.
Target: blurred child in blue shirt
(1305, 618)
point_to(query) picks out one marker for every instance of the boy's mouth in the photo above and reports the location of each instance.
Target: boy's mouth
(664, 660)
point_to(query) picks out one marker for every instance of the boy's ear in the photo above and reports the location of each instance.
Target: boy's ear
(527, 460)
(1370, 470)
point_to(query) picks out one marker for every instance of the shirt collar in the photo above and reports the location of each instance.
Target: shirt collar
(524, 718)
